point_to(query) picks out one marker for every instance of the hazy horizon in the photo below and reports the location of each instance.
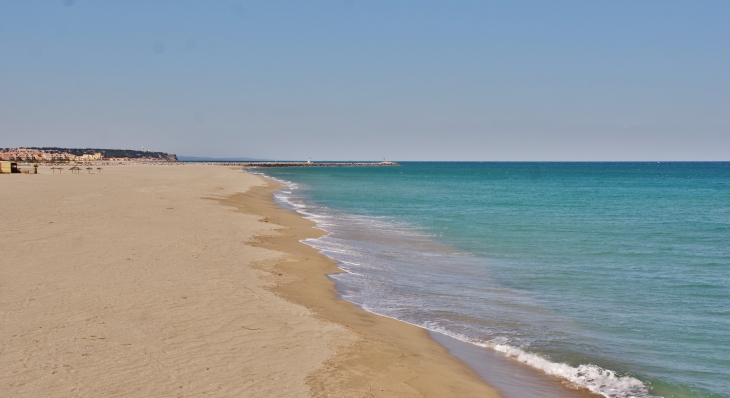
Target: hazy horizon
(498, 81)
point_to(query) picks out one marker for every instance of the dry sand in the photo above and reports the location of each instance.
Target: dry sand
(188, 281)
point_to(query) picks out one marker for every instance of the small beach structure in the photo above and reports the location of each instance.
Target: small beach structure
(8, 167)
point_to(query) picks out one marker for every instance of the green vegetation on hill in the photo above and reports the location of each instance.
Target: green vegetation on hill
(112, 153)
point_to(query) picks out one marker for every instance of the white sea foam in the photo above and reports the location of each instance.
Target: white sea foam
(596, 379)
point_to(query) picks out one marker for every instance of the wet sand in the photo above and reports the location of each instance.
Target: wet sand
(387, 357)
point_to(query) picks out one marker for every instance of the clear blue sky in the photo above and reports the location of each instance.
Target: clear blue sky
(480, 80)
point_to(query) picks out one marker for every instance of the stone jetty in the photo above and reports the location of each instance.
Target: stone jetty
(299, 164)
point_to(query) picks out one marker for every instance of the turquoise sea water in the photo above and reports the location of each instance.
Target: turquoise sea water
(615, 276)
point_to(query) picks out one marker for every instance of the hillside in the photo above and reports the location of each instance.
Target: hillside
(111, 153)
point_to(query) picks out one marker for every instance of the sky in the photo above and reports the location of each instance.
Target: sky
(354, 80)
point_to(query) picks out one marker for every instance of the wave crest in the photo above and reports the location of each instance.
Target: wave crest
(595, 378)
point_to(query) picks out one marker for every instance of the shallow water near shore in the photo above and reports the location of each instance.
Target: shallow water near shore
(612, 276)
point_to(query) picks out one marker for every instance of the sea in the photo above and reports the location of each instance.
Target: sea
(614, 276)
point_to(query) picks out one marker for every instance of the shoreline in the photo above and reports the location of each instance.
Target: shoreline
(389, 357)
(512, 378)
(170, 282)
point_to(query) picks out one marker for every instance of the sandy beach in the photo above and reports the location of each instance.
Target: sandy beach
(188, 281)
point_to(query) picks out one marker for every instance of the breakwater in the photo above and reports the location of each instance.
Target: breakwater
(298, 164)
